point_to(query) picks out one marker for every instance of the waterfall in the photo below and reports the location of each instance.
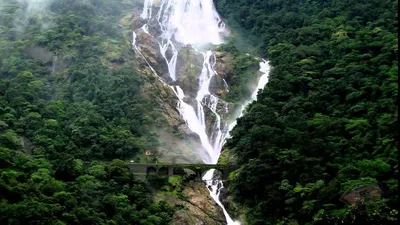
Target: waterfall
(195, 23)
(264, 69)
(215, 186)
(53, 67)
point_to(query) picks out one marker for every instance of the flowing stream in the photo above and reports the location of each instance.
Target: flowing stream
(195, 23)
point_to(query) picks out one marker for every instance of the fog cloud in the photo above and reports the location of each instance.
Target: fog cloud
(29, 9)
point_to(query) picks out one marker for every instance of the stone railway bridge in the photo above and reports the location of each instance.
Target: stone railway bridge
(178, 169)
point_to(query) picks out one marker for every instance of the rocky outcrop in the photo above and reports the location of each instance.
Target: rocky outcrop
(233, 209)
(149, 49)
(175, 147)
(148, 56)
(218, 86)
(224, 66)
(162, 95)
(224, 69)
(188, 67)
(195, 206)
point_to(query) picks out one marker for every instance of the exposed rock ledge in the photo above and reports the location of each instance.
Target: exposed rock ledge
(196, 206)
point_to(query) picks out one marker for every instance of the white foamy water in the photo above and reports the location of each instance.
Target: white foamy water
(264, 68)
(190, 21)
(194, 22)
(197, 23)
(215, 186)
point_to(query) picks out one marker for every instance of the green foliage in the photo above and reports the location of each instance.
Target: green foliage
(69, 94)
(30, 193)
(244, 77)
(175, 185)
(327, 120)
(62, 91)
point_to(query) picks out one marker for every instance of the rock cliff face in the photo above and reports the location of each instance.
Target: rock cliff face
(188, 68)
(154, 59)
(199, 207)
(177, 147)
(195, 206)
(179, 143)
(189, 63)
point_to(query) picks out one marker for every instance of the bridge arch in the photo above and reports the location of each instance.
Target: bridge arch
(163, 171)
(178, 171)
(151, 170)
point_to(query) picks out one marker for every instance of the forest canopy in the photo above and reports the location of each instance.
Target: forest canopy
(326, 123)
(69, 96)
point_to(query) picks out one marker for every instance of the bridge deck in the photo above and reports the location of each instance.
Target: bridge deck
(146, 168)
(166, 164)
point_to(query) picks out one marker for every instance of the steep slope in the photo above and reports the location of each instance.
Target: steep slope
(324, 128)
(70, 92)
(182, 44)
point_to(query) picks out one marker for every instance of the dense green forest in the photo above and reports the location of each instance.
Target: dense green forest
(68, 95)
(326, 123)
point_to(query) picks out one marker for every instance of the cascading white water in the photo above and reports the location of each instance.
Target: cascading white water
(191, 119)
(53, 67)
(189, 21)
(215, 186)
(197, 23)
(264, 69)
(194, 22)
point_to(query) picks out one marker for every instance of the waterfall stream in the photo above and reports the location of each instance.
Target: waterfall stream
(195, 23)
(215, 186)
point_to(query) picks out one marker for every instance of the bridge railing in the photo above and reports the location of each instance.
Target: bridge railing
(199, 169)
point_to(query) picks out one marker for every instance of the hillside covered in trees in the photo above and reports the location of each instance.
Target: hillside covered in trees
(67, 95)
(326, 123)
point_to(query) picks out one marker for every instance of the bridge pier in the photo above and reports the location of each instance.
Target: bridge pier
(198, 172)
(170, 171)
